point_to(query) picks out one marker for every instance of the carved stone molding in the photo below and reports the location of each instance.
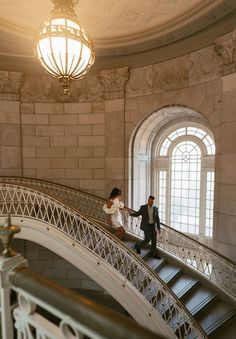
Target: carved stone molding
(226, 47)
(114, 82)
(10, 85)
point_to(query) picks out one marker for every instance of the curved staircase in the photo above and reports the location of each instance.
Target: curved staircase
(195, 278)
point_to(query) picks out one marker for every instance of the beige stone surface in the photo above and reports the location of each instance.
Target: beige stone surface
(78, 107)
(50, 130)
(91, 119)
(64, 163)
(61, 141)
(63, 119)
(79, 130)
(27, 108)
(35, 141)
(28, 130)
(10, 157)
(91, 163)
(94, 140)
(9, 135)
(9, 117)
(81, 152)
(35, 119)
(36, 163)
(78, 173)
(29, 152)
(50, 152)
(229, 104)
(98, 152)
(92, 184)
(45, 108)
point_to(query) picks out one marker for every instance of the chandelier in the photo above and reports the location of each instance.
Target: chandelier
(63, 48)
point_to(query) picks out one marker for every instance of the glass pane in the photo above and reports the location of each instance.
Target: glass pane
(162, 196)
(185, 188)
(209, 204)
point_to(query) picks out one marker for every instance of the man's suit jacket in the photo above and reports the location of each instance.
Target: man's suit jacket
(143, 211)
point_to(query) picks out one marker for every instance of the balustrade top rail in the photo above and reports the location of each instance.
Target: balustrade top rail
(73, 311)
(215, 267)
(22, 200)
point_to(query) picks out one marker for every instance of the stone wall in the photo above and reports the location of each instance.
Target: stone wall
(53, 267)
(82, 140)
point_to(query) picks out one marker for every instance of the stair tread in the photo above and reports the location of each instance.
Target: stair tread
(128, 243)
(199, 299)
(168, 272)
(155, 263)
(183, 285)
(227, 331)
(216, 316)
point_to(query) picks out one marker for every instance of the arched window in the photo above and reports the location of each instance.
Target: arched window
(185, 178)
(172, 156)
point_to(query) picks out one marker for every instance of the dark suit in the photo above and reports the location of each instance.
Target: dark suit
(149, 229)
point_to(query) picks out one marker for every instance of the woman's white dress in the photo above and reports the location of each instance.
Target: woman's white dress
(114, 211)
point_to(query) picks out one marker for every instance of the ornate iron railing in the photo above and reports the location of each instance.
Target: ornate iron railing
(215, 267)
(27, 202)
(43, 309)
(46, 310)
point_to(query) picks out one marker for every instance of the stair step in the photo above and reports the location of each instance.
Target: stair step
(196, 302)
(168, 273)
(155, 263)
(183, 285)
(128, 243)
(215, 317)
(199, 299)
(228, 331)
(144, 252)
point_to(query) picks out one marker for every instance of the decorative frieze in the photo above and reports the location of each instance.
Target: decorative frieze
(46, 89)
(171, 75)
(114, 82)
(10, 85)
(205, 66)
(226, 47)
(87, 89)
(140, 82)
(108, 84)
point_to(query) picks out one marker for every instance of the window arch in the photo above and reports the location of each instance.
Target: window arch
(151, 165)
(185, 178)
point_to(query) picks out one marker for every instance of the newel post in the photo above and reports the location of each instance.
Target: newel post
(9, 261)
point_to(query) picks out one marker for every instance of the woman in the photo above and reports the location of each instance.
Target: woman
(112, 208)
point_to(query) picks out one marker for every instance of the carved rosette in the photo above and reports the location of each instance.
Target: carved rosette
(10, 85)
(226, 47)
(114, 82)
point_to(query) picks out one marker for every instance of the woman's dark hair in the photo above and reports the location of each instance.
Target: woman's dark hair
(116, 191)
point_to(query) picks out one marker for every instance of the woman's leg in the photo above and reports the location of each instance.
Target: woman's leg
(120, 231)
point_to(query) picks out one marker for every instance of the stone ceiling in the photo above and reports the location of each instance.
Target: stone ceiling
(117, 27)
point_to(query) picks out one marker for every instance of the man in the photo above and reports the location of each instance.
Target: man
(150, 224)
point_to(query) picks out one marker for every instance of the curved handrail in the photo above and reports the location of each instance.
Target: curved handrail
(73, 311)
(24, 201)
(218, 269)
(87, 203)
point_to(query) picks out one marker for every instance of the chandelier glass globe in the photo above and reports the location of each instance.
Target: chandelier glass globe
(63, 48)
